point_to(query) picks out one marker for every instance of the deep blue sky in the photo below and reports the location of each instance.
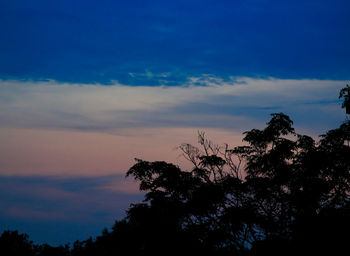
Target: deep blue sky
(299, 48)
(89, 41)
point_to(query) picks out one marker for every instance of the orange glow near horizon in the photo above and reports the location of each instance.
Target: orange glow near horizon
(74, 153)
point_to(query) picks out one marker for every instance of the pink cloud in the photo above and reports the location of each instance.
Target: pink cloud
(73, 153)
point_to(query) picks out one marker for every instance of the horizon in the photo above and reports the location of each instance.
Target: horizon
(87, 87)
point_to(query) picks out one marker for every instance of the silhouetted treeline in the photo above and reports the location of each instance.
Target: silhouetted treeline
(282, 193)
(14, 244)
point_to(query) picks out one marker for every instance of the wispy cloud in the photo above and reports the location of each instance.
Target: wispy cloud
(52, 105)
(51, 128)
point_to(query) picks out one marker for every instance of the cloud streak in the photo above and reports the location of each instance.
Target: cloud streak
(51, 128)
(52, 105)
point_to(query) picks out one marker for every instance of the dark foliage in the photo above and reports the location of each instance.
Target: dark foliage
(281, 194)
(14, 244)
(345, 93)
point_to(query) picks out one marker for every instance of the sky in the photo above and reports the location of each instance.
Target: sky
(87, 86)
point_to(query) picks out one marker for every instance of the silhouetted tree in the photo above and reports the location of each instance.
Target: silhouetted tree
(14, 244)
(282, 193)
(48, 250)
(345, 93)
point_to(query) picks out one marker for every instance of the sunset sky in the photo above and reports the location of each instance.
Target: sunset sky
(87, 86)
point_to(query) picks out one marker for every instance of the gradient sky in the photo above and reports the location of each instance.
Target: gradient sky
(87, 86)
